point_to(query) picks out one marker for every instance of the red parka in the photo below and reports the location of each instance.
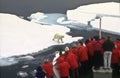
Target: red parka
(63, 67)
(97, 46)
(74, 50)
(83, 56)
(117, 43)
(59, 59)
(72, 60)
(102, 41)
(48, 67)
(115, 56)
(90, 48)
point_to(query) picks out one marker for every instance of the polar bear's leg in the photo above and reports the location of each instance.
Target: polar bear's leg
(58, 40)
(54, 37)
(61, 40)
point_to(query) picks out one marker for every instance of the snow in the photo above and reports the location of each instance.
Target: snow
(20, 37)
(109, 12)
(22, 74)
(56, 56)
(47, 18)
(61, 20)
(7, 61)
(108, 23)
(37, 16)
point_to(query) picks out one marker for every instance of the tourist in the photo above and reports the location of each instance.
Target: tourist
(48, 68)
(40, 73)
(108, 46)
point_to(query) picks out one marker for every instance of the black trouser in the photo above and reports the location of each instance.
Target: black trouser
(90, 61)
(83, 67)
(64, 77)
(115, 67)
(74, 73)
(97, 59)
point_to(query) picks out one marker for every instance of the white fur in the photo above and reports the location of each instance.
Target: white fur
(58, 37)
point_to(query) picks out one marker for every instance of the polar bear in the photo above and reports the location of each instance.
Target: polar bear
(58, 37)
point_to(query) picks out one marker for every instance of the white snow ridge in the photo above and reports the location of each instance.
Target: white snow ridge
(21, 37)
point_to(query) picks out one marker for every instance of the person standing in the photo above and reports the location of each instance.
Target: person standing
(117, 43)
(72, 59)
(115, 59)
(63, 68)
(108, 46)
(40, 73)
(90, 48)
(83, 58)
(48, 68)
(97, 45)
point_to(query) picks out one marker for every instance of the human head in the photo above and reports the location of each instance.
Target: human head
(39, 68)
(109, 37)
(80, 44)
(96, 37)
(46, 60)
(67, 49)
(87, 41)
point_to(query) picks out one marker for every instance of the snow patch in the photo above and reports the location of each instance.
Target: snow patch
(109, 12)
(22, 74)
(7, 61)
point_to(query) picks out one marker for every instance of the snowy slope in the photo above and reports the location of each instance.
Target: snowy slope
(109, 12)
(18, 36)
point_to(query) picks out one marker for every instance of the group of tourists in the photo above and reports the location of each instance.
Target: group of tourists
(81, 56)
